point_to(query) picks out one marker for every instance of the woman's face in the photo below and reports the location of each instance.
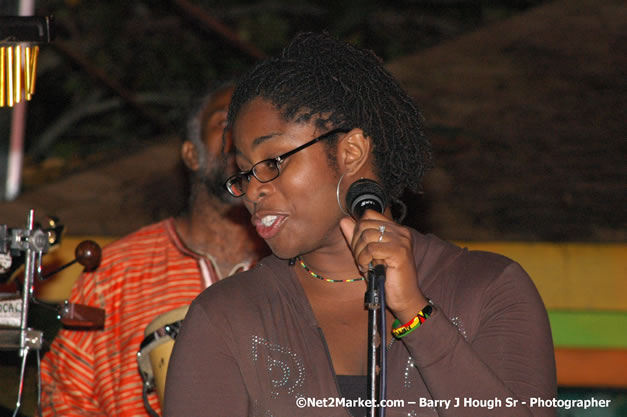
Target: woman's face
(297, 212)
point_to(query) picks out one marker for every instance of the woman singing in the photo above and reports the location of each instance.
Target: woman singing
(469, 335)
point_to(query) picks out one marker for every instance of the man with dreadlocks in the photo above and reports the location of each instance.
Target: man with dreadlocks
(471, 335)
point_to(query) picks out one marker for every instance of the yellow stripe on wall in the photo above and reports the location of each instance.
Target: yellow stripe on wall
(571, 276)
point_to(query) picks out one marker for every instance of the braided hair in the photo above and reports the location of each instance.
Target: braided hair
(340, 86)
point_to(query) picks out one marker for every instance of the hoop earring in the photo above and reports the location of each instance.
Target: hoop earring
(337, 195)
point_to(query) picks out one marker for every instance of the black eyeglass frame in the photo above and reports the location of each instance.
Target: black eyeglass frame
(277, 161)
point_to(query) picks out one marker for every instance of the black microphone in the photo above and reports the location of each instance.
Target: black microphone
(365, 194)
(362, 195)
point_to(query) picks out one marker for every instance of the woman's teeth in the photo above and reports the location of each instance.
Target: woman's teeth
(268, 220)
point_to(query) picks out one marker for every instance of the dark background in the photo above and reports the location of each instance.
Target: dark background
(524, 102)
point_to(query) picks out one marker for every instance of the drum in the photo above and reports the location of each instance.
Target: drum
(155, 350)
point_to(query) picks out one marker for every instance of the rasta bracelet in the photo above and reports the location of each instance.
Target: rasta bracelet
(399, 331)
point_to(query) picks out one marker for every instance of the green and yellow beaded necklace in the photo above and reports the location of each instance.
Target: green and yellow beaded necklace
(313, 274)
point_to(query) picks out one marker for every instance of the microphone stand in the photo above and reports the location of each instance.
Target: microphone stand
(374, 300)
(362, 195)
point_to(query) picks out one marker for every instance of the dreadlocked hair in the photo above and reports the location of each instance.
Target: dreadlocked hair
(340, 86)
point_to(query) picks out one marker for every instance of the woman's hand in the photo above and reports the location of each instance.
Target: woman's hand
(394, 248)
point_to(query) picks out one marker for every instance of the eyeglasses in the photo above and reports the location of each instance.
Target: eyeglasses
(269, 169)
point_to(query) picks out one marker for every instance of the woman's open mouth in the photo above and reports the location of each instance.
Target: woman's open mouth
(268, 225)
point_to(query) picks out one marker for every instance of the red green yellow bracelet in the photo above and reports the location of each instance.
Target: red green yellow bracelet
(399, 331)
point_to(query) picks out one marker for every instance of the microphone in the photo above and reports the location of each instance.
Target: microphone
(365, 194)
(362, 195)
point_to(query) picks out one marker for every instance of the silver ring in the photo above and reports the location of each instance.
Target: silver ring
(382, 231)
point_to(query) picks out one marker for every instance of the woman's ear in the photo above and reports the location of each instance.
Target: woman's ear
(354, 152)
(189, 154)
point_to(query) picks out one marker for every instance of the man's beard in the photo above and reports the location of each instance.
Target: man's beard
(213, 180)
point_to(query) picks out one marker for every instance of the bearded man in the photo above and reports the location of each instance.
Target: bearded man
(157, 269)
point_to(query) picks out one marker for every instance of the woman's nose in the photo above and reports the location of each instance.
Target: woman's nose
(257, 190)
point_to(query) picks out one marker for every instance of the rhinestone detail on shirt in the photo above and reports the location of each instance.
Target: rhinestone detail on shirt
(288, 363)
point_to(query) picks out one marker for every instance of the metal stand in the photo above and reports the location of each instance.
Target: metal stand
(375, 302)
(34, 243)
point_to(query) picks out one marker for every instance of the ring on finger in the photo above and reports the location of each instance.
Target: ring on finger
(382, 231)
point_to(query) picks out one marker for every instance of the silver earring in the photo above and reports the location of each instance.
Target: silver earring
(337, 195)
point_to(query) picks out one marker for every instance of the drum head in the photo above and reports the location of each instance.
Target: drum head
(154, 351)
(166, 318)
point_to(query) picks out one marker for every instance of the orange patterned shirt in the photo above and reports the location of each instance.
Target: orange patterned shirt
(143, 275)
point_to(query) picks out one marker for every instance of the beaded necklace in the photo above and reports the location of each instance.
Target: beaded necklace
(313, 274)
